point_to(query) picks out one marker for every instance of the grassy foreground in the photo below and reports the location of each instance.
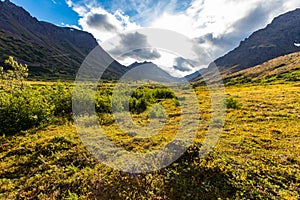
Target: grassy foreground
(257, 157)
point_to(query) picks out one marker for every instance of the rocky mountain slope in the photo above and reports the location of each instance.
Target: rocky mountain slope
(50, 51)
(277, 39)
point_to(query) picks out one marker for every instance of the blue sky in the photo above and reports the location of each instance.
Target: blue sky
(54, 11)
(216, 25)
(59, 13)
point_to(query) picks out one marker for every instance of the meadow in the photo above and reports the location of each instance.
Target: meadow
(257, 155)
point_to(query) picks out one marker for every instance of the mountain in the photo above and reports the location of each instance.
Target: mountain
(149, 71)
(278, 38)
(48, 50)
(281, 69)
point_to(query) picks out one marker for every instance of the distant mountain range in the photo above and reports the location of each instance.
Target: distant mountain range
(150, 71)
(277, 39)
(53, 52)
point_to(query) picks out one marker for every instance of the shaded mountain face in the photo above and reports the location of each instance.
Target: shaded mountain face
(277, 39)
(149, 71)
(48, 50)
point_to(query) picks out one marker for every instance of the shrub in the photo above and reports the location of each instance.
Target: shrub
(232, 103)
(138, 105)
(103, 104)
(163, 93)
(22, 110)
(61, 98)
(14, 77)
(106, 119)
(142, 97)
(177, 103)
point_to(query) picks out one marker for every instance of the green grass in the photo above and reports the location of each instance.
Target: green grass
(281, 70)
(291, 76)
(256, 157)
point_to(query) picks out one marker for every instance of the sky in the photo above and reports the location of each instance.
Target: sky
(218, 26)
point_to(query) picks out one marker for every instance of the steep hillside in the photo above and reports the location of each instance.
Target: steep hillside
(284, 68)
(49, 51)
(277, 39)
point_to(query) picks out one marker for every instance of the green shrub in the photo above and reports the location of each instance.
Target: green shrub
(145, 96)
(106, 119)
(103, 104)
(138, 105)
(176, 102)
(163, 93)
(23, 110)
(12, 79)
(232, 103)
(61, 98)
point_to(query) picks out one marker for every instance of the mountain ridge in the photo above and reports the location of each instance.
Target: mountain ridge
(53, 52)
(48, 50)
(277, 39)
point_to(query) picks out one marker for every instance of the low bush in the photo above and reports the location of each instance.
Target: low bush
(103, 104)
(138, 105)
(143, 97)
(232, 103)
(61, 97)
(22, 110)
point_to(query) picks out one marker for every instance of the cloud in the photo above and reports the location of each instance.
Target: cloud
(146, 11)
(182, 65)
(79, 8)
(216, 26)
(71, 26)
(220, 25)
(101, 22)
(143, 54)
(127, 48)
(69, 3)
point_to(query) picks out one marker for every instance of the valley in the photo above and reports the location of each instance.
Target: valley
(233, 135)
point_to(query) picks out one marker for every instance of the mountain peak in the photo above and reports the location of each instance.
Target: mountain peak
(277, 39)
(136, 64)
(46, 48)
(280, 37)
(6, 1)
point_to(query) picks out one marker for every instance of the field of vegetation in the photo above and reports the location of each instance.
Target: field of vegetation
(42, 157)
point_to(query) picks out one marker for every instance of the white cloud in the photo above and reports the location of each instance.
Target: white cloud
(69, 3)
(71, 26)
(98, 21)
(216, 25)
(144, 11)
(226, 22)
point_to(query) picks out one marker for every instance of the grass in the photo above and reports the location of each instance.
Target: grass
(257, 155)
(280, 70)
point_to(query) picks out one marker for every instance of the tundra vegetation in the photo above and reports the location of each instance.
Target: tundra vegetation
(42, 157)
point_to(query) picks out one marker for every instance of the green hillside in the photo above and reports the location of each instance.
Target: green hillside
(279, 70)
(51, 52)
